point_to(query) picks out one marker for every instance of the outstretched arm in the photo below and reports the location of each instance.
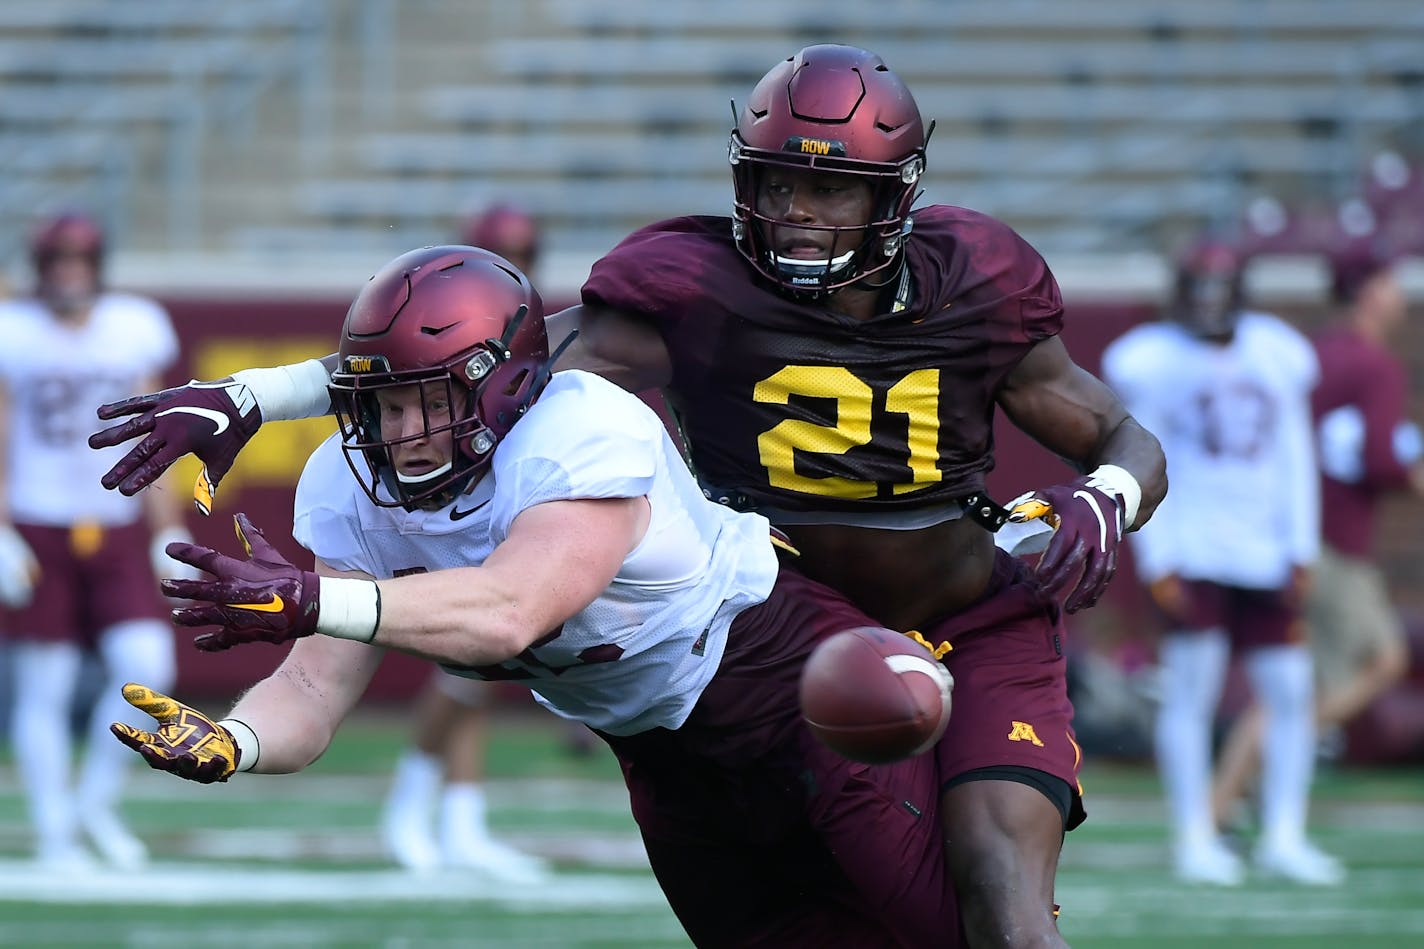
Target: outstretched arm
(1073, 413)
(282, 724)
(212, 420)
(557, 558)
(294, 712)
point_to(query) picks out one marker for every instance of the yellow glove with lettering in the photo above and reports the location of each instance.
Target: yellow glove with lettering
(187, 743)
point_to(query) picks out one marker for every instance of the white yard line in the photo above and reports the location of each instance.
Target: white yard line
(187, 883)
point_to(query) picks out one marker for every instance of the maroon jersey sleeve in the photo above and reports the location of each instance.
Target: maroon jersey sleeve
(1383, 404)
(970, 261)
(656, 271)
(801, 408)
(1355, 372)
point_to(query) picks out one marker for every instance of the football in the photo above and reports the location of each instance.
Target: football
(875, 695)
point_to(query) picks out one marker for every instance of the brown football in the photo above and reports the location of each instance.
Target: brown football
(875, 695)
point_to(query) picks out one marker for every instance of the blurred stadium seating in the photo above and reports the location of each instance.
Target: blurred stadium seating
(260, 129)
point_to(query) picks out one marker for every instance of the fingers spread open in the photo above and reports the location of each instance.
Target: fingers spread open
(212, 642)
(209, 615)
(160, 706)
(195, 555)
(258, 548)
(125, 466)
(135, 738)
(129, 406)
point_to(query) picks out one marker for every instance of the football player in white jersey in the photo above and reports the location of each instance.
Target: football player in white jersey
(75, 559)
(1226, 558)
(436, 812)
(506, 524)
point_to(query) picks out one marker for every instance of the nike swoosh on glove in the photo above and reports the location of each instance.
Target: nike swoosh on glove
(187, 743)
(212, 420)
(263, 599)
(1087, 526)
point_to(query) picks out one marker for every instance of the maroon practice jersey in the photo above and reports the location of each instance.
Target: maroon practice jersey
(800, 408)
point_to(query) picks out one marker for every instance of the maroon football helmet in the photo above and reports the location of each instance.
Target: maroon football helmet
(833, 109)
(1209, 291)
(68, 234)
(509, 232)
(462, 318)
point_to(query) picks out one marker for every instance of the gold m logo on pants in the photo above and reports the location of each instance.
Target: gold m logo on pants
(1023, 731)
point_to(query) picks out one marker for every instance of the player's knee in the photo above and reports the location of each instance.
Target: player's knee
(44, 674)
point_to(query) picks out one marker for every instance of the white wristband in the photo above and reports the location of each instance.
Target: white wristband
(348, 608)
(249, 749)
(1111, 479)
(295, 391)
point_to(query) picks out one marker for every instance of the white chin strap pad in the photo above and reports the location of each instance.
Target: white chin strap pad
(428, 476)
(829, 266)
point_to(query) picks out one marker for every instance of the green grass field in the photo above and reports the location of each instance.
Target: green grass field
(294, 861)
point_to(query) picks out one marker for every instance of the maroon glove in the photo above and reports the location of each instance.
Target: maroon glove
(263, 599)
(1087, 526)
(211, 420)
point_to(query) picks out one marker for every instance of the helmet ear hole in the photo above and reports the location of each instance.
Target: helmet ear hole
(517, 383)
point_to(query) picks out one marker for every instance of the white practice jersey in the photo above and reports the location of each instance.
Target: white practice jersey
(639, 656)
(55, 375)
(1242, 503)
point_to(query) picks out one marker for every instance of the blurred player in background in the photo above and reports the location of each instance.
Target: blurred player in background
(436, 812)
(508, 525)
(507, 230)
(77, 562)
(1368, 450)
(838, 360)
(1227, 556)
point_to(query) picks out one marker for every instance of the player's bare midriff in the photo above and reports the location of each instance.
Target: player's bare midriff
(907, 579)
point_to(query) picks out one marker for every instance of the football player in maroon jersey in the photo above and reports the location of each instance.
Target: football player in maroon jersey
(837, 359)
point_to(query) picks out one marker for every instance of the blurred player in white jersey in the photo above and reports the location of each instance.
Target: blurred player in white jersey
(1369, 450)
(436, 811)
(510, 525)
(1227, 556)
(76, 561)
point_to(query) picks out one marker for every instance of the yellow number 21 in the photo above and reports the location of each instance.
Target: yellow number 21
(916, 396)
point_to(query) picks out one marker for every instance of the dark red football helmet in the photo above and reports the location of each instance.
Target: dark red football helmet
(508, 231)
(68, 234)
(462, 318)
(833, 109)
(1209, 291)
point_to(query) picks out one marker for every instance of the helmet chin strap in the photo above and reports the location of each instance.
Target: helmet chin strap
(428, 476)
(811, 272)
